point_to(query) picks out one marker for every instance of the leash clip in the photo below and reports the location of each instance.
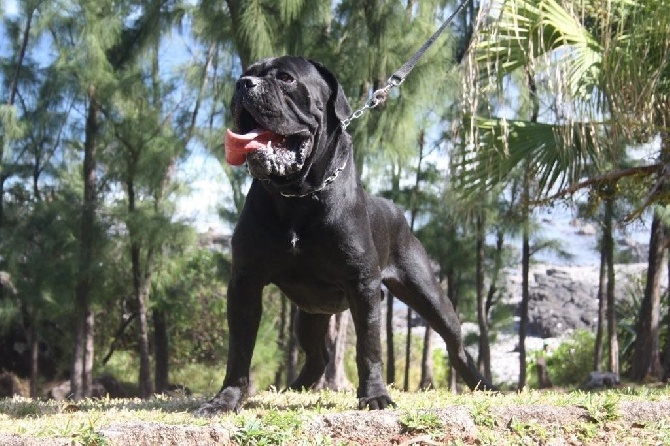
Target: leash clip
(379, 96)
(395, 81)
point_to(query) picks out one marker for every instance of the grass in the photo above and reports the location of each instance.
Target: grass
(199, 378)
(273, 418)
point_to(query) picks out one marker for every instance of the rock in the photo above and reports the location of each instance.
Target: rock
(633, 252)
(11, 385)
(563, 299)
(111, 387)
(587, 229)
(558, 303)
(105, 386)
(601, 380)
(177, 390)
(60, 392)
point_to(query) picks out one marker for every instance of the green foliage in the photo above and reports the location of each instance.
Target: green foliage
(400, 341)
(529, 431)
(587, 55)
(440, 369)
(10, 126)
(602, 408)
(274, 428)
(481, 413)
(267, 356)
(627, 312)
(421, 422)
(192, 293)
(569, 363)
(81, 434)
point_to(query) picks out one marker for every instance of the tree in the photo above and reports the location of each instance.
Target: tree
(612, 53)
(646, 362)
(36, 248)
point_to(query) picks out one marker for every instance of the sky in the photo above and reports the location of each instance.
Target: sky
(9, 6)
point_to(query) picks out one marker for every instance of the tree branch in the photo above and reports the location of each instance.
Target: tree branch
(608, 177)
(119, 332)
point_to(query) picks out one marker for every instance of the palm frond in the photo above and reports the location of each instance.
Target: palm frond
(503, 145)
(527, 30)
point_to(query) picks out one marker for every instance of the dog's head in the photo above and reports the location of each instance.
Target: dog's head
(284, 109)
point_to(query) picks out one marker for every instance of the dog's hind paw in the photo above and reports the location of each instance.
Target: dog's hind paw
(375, 402)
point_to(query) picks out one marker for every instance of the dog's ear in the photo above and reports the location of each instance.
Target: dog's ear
(338, 99)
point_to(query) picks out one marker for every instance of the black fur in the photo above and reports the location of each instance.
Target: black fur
(329, 250)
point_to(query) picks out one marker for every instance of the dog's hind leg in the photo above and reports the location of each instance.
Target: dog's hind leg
(413, 282)
(311, 331)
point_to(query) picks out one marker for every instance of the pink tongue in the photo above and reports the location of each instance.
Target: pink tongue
(237, 146)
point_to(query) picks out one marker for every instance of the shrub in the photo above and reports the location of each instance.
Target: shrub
(572, 360)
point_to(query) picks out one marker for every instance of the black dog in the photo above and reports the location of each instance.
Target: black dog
(310, 228)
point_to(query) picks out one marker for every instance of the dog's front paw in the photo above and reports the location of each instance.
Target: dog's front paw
(376, 402)
(228, 399)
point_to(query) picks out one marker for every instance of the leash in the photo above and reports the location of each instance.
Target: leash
(397, 78)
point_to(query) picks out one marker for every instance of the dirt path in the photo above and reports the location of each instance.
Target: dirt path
(625, 423)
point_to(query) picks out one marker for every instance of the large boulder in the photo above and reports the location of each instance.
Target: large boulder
(563, 299)
(559, 303)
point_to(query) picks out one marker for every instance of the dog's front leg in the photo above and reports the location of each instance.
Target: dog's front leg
(366, 312)
(244, 309)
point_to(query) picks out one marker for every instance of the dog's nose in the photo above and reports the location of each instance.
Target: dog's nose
(247, 82)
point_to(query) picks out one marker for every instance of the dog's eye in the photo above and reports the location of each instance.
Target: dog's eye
(285, 77)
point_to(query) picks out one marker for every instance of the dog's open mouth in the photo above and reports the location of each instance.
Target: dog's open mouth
(268, 153)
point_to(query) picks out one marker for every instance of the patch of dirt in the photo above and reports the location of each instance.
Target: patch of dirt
(633, 423)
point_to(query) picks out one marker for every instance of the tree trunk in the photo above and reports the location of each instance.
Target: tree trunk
(427, 361)
(484, 356)
(89, 351)
(525, 272)
(666, 356)
(34, 342)
(161, 351)
(452, 296)
(146, 387)
(141, 297)
(335, 377)
(408, 350)
(141, 291)
(523, 310)
(525, 249)
(602, 297)
(281, 341)
(646, 360)
(414, 210)
(390, 348)
(293, 350)
(81, 373)
(613, 354)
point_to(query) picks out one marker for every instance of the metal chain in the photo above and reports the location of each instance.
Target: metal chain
(397, 78)
(325, 183)
(378, 97)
